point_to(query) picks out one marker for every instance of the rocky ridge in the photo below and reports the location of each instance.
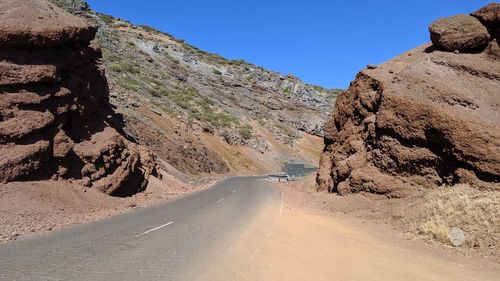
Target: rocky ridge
(55, 119)
(427, 118)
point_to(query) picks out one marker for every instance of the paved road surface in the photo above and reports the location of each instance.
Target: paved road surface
(174, 240)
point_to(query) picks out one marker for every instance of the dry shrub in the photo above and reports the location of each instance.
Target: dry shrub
(476, 212)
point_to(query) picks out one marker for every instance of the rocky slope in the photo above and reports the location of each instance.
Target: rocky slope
(427, 118)
(55, 120)
(201, 112)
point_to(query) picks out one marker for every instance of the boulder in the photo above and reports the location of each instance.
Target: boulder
(460, 32)
(62, 145)
(55, 119)
(494, 50)
(490, 16)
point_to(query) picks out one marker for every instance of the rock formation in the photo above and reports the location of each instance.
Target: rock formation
(461, 33)
(427, 118)
(55, 121)
(490, 16)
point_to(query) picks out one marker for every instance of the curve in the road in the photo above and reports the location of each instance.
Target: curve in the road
(175, 240)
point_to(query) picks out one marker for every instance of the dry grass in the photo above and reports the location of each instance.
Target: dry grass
(477, 213)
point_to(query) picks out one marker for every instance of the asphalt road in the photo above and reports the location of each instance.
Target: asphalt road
(174, 240)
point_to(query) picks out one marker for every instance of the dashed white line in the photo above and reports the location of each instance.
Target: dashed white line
(234, 191)
(220, 200)
(153, 229)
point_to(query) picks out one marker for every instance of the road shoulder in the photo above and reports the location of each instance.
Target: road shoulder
(313, 244)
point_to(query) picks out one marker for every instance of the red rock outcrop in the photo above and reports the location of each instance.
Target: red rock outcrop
(461, 33)
(55, 120)
(489, 15)
(421, 120)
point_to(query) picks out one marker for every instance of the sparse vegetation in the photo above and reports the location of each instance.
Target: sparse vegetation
(477, 213)
(333, 93)
(172, 59)
(120, 24)
(128, 83)
(106, 18)
(148, 28)
(245, 131)
(239, 62)
(198, 107)
(216, 119)
(216, 72)
(284, 129)
(125, 68)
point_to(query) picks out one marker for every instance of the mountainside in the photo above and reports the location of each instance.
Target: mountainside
(203, 113)
(427, 118)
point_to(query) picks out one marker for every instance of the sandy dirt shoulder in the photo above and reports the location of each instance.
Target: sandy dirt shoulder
(308, 243)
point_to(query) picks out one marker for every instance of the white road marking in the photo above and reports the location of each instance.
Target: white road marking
(153, 229)
(234, 191)
(220, 200)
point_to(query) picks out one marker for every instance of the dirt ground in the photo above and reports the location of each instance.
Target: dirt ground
(426, 216)
(314, 245)
(321, 236)
(28, 208)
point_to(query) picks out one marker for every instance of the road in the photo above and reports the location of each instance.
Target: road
(174, 240)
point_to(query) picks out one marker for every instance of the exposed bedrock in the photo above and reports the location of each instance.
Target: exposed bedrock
(421, 120)
(55, 120)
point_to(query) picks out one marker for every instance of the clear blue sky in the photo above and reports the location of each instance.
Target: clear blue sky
(324, 42)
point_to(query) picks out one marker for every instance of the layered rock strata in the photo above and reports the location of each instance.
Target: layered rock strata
(55, 120)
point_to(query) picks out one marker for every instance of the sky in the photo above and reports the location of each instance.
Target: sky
(323, 42)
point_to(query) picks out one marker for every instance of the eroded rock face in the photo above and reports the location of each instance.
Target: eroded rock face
(55, 121)
(422, 120)
(490, 16)
(29, 23)
(461, 33)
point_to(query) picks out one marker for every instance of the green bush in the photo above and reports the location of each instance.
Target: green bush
(120, 24)
(129, 83)
(172, 59)
(155, 93)
(148, 28)
(106, 18)
(284, 129)
(216, 72)
(245, 131)
(125, 67)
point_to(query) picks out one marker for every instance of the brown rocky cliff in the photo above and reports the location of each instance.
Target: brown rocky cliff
(424, 119)
(55, 120)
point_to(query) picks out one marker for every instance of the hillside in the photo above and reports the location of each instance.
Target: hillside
(201, 112)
